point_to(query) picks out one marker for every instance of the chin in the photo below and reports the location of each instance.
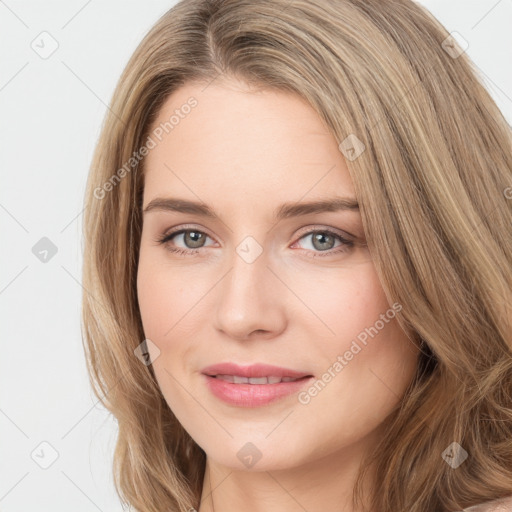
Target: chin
(254, 456)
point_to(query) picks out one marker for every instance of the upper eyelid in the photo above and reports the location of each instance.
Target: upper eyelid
(316, 227)
(181, 229)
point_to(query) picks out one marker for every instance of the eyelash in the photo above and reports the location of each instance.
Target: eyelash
(345, 244)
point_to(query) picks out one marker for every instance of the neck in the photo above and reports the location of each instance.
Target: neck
(324, 483)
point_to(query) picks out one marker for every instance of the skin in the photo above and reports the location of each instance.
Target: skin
(244, 153)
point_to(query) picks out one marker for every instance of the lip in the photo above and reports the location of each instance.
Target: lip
(252, 395)
(253, 370)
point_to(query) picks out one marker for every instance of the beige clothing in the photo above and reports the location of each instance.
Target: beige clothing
(501, 505)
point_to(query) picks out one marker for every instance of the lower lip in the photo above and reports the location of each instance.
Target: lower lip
(253, 395)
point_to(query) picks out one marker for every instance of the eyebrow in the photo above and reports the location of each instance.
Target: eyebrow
(285, 211)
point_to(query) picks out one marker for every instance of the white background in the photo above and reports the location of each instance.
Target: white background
(51, 113)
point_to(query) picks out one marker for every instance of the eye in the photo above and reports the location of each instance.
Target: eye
(322, 242)
(193, 239)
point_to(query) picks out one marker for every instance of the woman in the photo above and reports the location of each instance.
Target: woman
(297, 264)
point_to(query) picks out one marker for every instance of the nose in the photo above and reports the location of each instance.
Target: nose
(250, 300)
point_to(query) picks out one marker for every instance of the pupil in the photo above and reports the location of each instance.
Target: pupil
(320, 238)
(196, 238)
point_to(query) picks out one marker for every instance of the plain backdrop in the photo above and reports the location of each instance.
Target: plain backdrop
(56, 441)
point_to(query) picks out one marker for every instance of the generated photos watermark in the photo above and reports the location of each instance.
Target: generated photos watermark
(356, 346)
(151, 142)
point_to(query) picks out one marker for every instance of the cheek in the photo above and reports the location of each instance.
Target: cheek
(155, 296)
(364, 358)
(164, 299)
(343, 303)
(164, 294)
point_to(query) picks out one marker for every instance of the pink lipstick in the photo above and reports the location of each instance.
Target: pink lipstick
(253, 385)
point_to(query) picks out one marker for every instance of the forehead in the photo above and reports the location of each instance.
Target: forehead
(240, 143)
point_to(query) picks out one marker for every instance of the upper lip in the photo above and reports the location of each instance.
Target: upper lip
(253, 370)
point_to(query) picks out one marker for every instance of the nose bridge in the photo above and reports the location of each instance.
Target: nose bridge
(247, 299)
(248, 271)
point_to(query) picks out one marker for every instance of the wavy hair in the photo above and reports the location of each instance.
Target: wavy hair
(434, 187)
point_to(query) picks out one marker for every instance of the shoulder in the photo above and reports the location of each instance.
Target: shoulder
(501, 505)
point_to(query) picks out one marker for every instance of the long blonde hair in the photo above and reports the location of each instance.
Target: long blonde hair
(434, 185)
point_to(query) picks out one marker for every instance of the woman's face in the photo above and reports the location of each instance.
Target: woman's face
(262, 280)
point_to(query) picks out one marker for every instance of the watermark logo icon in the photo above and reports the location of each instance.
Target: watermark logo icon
(44, 455)
(147, 352)
(454, 45)
(249, 455)
(45, 45)
(351, 147)
(44, 250)
(454, 455)
(249, 249)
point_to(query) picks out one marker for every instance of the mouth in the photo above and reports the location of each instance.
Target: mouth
(253, 371)
(238, 379)
(253, 385)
